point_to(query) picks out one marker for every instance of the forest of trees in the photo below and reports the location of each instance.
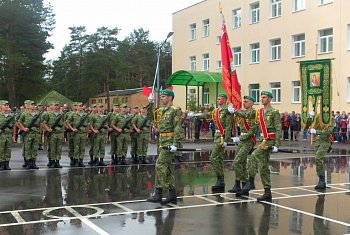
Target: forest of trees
(88, 65)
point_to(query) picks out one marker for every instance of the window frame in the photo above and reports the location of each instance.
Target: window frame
(192, 32)
(254, 53)
(275, 8)
(205, 28)
(236, 18)
(205, 61)
(275, 49)
(298, 44)
(296, 90)
(276, 92)
(237, 56)
(193, 63)
(254, 12)
(325, 41)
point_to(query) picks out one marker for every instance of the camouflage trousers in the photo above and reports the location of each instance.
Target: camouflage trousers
(113, 139)
(79, 145)
(261, 157)
(99, 145)
(164, 168)
(217, 157)
(31, 142)
(55, 145)
(70, 145)
(142, 144)
(5, 146)
(122, 144)
(133, 144)
(321, 148)
(240, 161)
(91, 144)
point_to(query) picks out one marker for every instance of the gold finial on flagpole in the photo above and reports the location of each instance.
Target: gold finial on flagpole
(220, 7)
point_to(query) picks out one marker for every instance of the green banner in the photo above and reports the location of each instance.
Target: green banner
(316, 93)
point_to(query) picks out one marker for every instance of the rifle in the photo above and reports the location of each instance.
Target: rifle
(143, 124)
(31, 124)
(125, 126)
(58, 119)
(6, 124)
(100, 127)
(81, 123)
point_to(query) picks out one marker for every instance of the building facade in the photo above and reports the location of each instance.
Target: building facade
(268, 38)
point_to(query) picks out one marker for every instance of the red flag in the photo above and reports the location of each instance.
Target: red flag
(229, 75)
(169, 88)
(146, 90)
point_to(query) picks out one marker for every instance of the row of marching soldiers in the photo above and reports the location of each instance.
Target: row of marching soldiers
(79, 126)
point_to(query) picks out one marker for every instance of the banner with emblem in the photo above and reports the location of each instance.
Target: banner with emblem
(316, 93)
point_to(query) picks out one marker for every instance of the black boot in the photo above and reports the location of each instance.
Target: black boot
(72, 162)
(101, 162)
(80, 163)
(34, 166)
(123, 161)
(266, 197)
(144, 160)
(76, 163)
(171, 198)
(157, 197)
(119, 161)
(51, 164)
(24, 163)
(91, 162)
(220, 184)
(247, 187)
(57, 164)
(114, 160)
(40, 147)
(2, 166)
(236, 188)
(321, 182)
(29, 164)
(7, 166)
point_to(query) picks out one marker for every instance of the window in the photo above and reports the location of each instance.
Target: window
(205, 58)
(236, 18)
(296, 92)
(348, 93)
(275, 49)
(192, 31)
(325, 41)
(218, 40)
(254, 53)
(192, 63)
(254, 91)
(218, 64)
(192, 95)
(299, 45)
(298, 5)
(275, 8)
(206, 28)
(254, 12)
(275, 88)
(348, 36)
(206, 96)
(237, 55)
(322, 2)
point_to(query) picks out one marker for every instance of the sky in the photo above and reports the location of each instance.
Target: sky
(152, 15)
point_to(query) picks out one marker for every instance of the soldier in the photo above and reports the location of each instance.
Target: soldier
(122, 125)
(270, 127)
(40, 108)
(90, 140)
(113, 134)
(7, 134)
(246, 141)
(170, 134)
(53, 125)
(69, 134)
(178, 154)
(18, 128)
(78, 123)
(133, 137)
(222, 119)
(324, 140)
(29, 123)
(141, 124)
(99, 126)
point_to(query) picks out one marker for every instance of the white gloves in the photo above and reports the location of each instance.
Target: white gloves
(235, 139)
(274, 149)
(190, 115)
(172, 148)
(231, 109)
(151, 98)
(311, 114)
(312, 131)
(224, 144)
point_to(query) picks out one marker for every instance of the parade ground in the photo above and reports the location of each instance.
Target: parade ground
(112, 199)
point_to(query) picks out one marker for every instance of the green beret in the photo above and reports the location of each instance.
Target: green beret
(167, 92)
(123, 106)
(249, 98)
(269, 94)
(222, 95)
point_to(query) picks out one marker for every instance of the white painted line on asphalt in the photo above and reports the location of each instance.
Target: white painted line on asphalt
(307, 190)
(86, 221)
(122, 207)
(18, 217)
(276, 192)
(207, 199)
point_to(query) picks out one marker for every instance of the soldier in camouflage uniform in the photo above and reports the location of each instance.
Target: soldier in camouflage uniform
(80, 134)
(99, 126)
(53, 124)
(246, 142)
(113, 134)
(122, 124)
(133, 137)
(270, 129)
(18, 127)
(90, 140)
(141, 124)
(7, 135)
(170, 134)
(70, 134)
(31, 140)
(323, 143)
(222, 118)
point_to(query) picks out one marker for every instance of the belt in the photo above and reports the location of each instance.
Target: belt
(269, 135)
(243, 133)
(167, 134)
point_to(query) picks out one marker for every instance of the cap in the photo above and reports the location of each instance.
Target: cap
(142, 107)
(99, 105)
(123, 106)
(2, 102)
(222, 95)
(93, 106)
(31, 102)
(167, 92)
(55, 102)
(136, 107)
(40, 104)
(269, 94)
(79, 104)
(116, 104)
(249, 98)
(26, 101)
